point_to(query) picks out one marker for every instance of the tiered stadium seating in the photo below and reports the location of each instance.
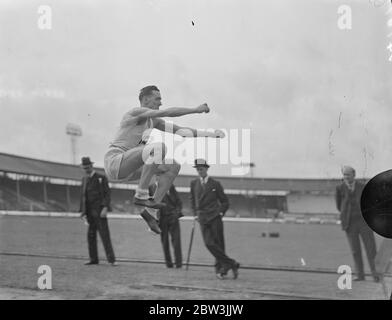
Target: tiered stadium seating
(32, 199)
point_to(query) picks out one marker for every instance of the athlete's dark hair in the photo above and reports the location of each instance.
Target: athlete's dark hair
(146, 91)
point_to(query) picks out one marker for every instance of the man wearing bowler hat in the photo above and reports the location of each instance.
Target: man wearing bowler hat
(94, 206)
(209, 204)
(348, 197)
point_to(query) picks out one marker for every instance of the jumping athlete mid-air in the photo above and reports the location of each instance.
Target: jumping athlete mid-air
(130, 157)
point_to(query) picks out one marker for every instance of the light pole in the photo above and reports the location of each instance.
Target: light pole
(74, 131)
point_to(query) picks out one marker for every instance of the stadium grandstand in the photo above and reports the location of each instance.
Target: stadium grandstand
(28, 184)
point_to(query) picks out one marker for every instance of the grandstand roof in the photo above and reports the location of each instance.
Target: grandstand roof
(34, 167)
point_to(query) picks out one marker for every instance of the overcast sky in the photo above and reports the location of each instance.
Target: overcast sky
(314, 96)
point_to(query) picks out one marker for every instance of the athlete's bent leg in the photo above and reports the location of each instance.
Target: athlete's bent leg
(153, 156)
(167, 171)
(133, 160)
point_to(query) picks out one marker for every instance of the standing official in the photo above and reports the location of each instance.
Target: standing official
(348, 197)
(94, 205)
(170, 225)
(209, 203)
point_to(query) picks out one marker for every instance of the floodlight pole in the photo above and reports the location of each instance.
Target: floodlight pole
(73, 131)
(73, 148)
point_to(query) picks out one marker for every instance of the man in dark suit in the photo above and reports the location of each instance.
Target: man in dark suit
(209, 203)
(348, 197)
(94, 206)
(169, 224)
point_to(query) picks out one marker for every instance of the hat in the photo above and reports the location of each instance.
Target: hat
(347, 169)
(201, 163)
(86, 161)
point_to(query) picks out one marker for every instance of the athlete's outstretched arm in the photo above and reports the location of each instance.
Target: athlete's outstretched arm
(185, 132)
(143, 113)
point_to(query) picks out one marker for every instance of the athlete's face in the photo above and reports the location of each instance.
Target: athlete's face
(154, 100)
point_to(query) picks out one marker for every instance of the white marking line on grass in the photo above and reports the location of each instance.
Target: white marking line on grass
(279, 268)
(136, 216)
(252, 291)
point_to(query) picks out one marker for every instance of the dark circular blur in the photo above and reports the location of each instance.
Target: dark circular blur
(376, 204)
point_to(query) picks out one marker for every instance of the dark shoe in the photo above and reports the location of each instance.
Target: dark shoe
(362, 278)
(90, 263)
(223, 271)
(178, 266)
(151, 221)
(169, 266)
(235, 268)
(376, 279)
(148, 203)
(220, 276)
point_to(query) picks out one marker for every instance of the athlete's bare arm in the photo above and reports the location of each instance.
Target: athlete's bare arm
(144, 113)
(185, 132)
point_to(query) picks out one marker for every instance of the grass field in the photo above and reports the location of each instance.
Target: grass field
(299, 245)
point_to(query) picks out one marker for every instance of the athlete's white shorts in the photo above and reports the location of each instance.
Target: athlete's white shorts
(112, 164)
